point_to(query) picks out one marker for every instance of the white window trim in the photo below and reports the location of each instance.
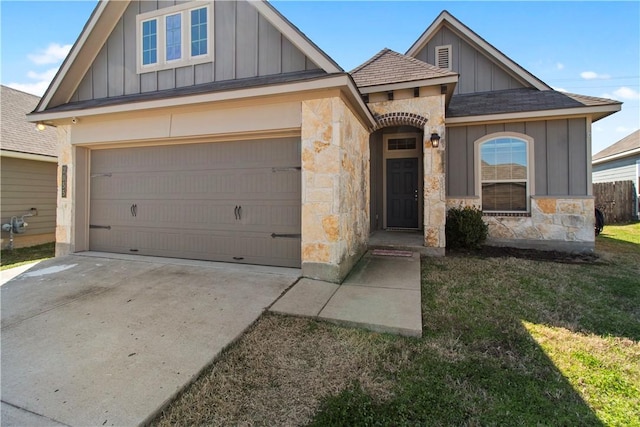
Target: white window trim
(530, 166)
(448, 48)
(185, 22)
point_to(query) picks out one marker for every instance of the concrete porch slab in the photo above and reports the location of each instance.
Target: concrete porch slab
(382, 294)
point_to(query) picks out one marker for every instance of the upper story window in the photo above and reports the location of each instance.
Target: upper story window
(505, 172)
(174, 36)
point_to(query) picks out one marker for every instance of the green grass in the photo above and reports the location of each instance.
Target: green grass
(17, 257)
(506, 341)
(516, 342)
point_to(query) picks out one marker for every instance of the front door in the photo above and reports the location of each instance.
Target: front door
(402, 193)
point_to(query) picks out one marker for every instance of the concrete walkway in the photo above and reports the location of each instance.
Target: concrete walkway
(382, 293)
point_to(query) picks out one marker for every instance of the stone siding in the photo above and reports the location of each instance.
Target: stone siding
(555, 223)
(431, 108)
(65, 210)
(335, 189)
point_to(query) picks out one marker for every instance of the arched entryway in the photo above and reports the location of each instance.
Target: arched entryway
(397, 178)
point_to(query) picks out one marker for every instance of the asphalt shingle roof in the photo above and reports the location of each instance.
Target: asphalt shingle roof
(627, 143)
(518, 100)
(388, 67)
(16, 133)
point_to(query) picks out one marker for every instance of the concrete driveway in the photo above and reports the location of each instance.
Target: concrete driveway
(90, 340)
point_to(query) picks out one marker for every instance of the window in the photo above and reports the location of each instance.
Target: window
(504, 165)
(149, 42)
(401, 144)
(174, 36)
(199, 31)
(443, 57)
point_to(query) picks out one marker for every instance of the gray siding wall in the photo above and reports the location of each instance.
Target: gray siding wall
(477, 72)
(29, 184)
(617, 170)
(245, 45)
(559, 149)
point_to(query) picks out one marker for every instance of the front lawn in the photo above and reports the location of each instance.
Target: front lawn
(507, 341)
(17, 257)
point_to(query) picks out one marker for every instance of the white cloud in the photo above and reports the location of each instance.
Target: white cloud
(626, 93)
(46, 75)
(592, 75)
(598, 128)
(560, 89)
(52, 54)
(36, 88)
(559, 66)
(40, 83)
(623, 129)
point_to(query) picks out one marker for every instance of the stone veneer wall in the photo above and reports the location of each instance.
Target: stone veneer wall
(431, 108)
(65, 210)
(335, 189)
(556, 223)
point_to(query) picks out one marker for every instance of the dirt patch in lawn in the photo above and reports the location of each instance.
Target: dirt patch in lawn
(530, 254)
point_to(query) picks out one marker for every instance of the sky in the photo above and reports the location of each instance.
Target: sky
(586, 47)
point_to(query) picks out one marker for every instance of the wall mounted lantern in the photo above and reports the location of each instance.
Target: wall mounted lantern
(435, 140)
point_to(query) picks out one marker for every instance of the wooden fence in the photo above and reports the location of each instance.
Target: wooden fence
(617, 200)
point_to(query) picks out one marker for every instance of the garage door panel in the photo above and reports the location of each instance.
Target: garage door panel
(198, 215)
(237, 201)
(263, 184)
(280, 152)
(226, 246)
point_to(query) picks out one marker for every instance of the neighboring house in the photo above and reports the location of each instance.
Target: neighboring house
(217, 130)
(28, 170)
(620, 162)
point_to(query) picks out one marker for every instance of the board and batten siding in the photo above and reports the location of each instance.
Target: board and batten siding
(29, 184)
(616, 170)
(560, 156)
(477, 72)
(245, 45)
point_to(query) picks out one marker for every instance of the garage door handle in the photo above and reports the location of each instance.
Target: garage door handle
(235, 212)
(103, 227)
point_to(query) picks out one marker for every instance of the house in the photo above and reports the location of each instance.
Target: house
(28, 172)
(217, 130)
(620, 162)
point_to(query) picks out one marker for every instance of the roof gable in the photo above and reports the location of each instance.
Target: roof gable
(17, 134)
(446, 20)
(388, 67)
(108, 42)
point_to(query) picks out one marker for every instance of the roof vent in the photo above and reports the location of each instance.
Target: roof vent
(443, 57)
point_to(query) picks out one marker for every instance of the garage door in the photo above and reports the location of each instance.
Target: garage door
(231, 201)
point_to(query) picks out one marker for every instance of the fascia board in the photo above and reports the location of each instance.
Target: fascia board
(342, 80)
(409, 85)
(529, 115)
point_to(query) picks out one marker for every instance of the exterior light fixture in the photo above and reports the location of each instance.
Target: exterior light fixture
(435, 140)
(40, 126)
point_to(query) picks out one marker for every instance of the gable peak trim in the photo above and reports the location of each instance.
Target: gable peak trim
(447, 19)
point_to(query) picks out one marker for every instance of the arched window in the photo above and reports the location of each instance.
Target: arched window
(504, 172)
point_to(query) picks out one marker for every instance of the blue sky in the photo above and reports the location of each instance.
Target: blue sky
(591, 48)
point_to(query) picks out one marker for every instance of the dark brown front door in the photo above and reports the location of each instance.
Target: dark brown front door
(402, 193)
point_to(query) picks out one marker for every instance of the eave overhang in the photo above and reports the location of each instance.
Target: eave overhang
(595, 112)
(341, 81)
